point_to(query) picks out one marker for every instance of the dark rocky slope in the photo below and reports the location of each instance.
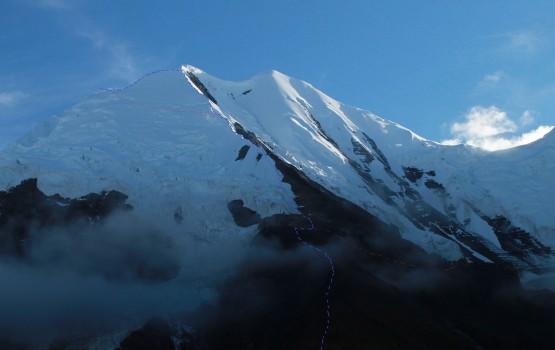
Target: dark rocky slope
(387, 293)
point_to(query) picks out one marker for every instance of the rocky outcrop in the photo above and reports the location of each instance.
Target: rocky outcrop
(25, 207)
(242, 215)
(69, 234)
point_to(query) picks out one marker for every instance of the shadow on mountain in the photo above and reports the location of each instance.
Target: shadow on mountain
(386, 294)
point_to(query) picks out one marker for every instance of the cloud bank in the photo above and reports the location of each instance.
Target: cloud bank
(79, 281)
(491, 129)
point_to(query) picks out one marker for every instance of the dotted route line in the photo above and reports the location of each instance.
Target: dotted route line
(116, 91)
(332, 274)
(328, 258)
(142, 78)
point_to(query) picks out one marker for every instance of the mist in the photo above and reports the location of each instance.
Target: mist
(80, 280)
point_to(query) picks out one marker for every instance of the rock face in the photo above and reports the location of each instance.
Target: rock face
(243, 216)
(24, 208)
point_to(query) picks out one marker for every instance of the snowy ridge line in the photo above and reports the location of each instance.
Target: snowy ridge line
(141, 78)
(215, 109)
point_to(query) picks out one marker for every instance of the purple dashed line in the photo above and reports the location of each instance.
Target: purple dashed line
(297, 229)
(330, 261)
(141, 78)
(332, 274)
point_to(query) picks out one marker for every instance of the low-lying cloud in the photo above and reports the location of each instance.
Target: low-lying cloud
(490, 128)
(76, 281)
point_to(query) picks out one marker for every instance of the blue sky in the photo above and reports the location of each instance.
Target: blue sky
(481, 72)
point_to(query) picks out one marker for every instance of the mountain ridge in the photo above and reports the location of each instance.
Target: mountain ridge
(351, 152)
(370, 150)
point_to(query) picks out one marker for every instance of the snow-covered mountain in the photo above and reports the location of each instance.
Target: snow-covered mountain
(184, 194)
(183, 144)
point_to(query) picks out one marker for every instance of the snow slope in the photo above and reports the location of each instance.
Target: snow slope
(158, 141)
(362, 157)
(168, 142)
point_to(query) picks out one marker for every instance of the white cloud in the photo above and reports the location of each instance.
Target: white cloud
(491, 129)
(484, 122)
(10, 99)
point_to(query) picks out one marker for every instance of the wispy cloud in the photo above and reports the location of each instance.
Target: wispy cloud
(522, 43)
(490, 128)
(10, 99)
(121, 63)
(491, 81)
(526, 41)
(117, 60)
